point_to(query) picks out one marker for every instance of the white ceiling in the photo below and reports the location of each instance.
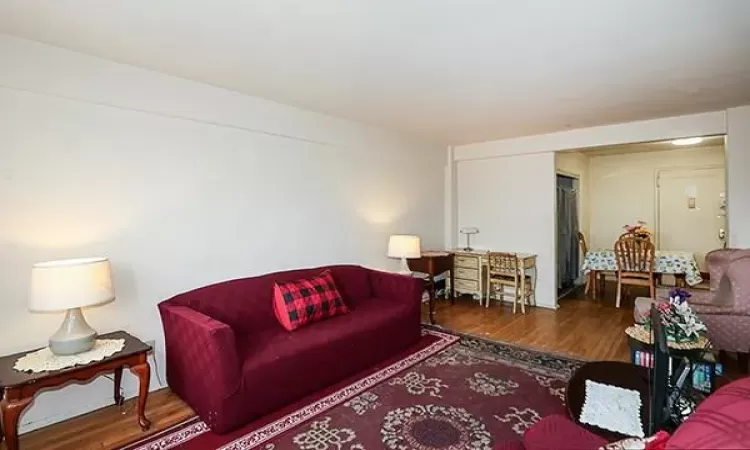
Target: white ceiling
(454, 71)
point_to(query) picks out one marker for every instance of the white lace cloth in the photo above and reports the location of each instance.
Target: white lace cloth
(44, 360)
(612, 408)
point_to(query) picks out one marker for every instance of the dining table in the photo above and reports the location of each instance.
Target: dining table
(682, 265)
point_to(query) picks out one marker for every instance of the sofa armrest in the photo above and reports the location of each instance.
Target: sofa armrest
(397, 286)
(202, 361)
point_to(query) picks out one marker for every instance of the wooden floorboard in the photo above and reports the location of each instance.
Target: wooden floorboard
(585, 329)
(110, 427)
(581, 328)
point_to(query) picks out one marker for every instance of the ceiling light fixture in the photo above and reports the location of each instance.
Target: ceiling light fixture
(688, 141)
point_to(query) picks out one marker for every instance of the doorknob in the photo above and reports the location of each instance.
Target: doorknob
(722, 234)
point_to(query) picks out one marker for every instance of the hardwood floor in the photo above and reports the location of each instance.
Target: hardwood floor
(580, 328)
(108, 428)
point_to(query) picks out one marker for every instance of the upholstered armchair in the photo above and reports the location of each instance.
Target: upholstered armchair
(725, 309)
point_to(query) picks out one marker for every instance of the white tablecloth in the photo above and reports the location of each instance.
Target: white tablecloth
(664, 262)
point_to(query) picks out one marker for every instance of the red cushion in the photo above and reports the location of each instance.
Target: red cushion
(559, 432)
(721, 421)
(299, 302)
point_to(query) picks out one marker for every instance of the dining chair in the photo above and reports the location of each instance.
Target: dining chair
(593, 276)
(504, 269)
(635, 263)
(679, 279)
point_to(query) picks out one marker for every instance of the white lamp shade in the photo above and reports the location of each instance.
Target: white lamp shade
(72, 283)
(404, 246)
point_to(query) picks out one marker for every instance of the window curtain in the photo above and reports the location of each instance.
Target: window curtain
(568, 264)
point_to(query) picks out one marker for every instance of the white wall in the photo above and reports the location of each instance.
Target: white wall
(511, 200)
(738, 176)
(576, 163)
(182, 184)
(623, 187)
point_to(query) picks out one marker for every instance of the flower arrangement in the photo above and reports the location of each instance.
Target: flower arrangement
(638, 228)
(680, 322)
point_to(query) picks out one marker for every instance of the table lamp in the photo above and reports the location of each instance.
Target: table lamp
(68, 286)
(468, 231)
(404, 246)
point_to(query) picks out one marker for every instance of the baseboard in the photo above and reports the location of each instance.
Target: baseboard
(104, 401)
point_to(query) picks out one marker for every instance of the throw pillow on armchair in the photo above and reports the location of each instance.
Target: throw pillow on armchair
(300, 302)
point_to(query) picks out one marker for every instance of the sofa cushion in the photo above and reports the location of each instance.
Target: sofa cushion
(307, 300)
(280, 367)
(353, 283)
(721, 421)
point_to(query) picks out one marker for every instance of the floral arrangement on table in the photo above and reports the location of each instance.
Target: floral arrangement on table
(679, 320)
(638, 228)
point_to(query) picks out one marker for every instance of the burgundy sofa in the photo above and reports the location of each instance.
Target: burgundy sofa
(722, 421)
(232, 362)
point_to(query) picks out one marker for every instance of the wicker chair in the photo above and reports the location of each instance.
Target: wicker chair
(504, 269)
(635, 263)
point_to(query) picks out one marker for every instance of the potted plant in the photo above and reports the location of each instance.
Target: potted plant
(679, 320)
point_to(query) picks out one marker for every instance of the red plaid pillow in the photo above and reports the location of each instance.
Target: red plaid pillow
(300, 302)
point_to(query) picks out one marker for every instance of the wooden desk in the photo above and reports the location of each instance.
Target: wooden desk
(470, 268)
(434, 263)
(17, 389)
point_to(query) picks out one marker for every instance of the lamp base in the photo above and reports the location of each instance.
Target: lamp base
(74, 336)
(404, 269)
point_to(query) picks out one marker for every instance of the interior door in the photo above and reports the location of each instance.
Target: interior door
(691, 211)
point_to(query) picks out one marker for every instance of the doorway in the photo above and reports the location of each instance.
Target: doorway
(568, 260)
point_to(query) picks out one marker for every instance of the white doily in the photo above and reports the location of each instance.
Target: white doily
(612, 408)
(44, 360)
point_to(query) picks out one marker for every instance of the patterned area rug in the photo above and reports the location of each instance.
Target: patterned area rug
(451, 392)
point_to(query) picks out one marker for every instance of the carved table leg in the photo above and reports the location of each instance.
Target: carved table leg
(11, 410)
(453, 288)
(594, 274)
(143, 372)
(118, 380)
(431, 293)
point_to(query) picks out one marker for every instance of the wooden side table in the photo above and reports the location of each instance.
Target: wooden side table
(17, 389)
(433, 263)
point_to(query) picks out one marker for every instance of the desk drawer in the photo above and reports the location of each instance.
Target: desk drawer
(467, 286)
(467, 274)
(469, 262)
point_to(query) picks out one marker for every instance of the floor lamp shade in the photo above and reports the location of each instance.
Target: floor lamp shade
(404, 246)
(68, 286)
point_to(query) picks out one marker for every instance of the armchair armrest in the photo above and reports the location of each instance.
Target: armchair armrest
(701, 297)
(202, 361)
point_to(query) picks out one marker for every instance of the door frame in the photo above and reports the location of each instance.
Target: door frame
(577, 186)
(657, 193)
